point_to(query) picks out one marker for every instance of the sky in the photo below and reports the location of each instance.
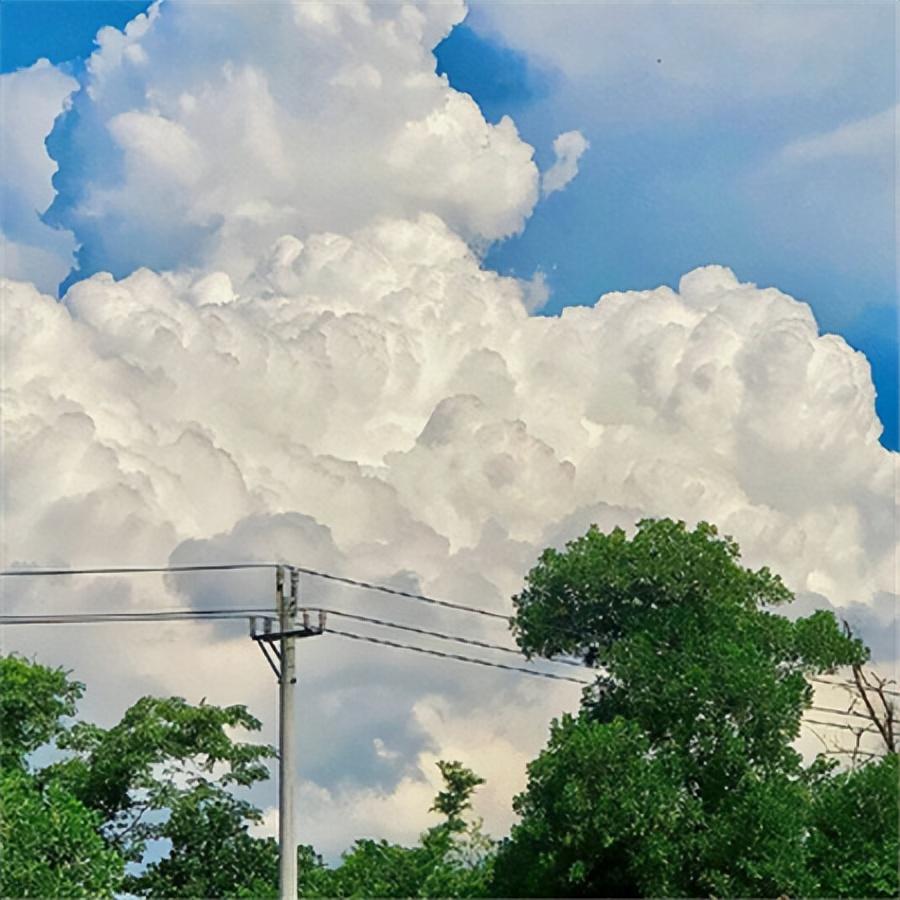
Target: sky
(412, 292)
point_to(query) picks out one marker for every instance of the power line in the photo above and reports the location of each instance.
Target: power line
(446, 637)
(352, 582)
(409, 595)
(137, 570)
(223, 567)
(174, 615)
(454, 656)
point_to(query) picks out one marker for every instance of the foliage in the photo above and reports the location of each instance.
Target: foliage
(678, 777)
(160, 751)
(34, 700)
(213, 854)
(165, 771)
(456, 798)
(50, 842)
(453, 859)
(854, 843)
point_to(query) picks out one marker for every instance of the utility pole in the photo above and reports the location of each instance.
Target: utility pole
(287, 842)
(280, 652)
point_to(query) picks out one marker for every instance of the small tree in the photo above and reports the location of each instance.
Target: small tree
(165, 771)
(452, 859)
(50, 841)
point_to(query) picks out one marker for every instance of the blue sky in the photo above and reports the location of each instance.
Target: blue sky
(674, 178)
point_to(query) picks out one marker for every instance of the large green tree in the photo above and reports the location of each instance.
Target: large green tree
(678, 776)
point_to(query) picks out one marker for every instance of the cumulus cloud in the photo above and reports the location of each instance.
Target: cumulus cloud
(380, 404)
(180, 150)
(31, 99)
(568, 148)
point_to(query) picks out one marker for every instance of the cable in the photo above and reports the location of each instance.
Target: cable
(454, 656)
(315, 573)
(446, 637)
(137, 570)
(384, 589)
(173, 615)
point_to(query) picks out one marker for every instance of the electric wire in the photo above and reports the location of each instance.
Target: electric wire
(340, 579)
(409, 595)
(138, 570)
(446, 637)
(454, 656)
(175, 615)
(233, 613)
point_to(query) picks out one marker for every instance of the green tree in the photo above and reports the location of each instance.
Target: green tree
(854, 844)
(212, 853)
(452, 859)
(167, 770)
(161, 751)
(678, 777)
(50, 845)
(49, 842)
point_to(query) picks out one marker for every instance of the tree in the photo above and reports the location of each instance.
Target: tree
(49, 842)
(212, 854)
(453, 859)
(161, 751)
(678, 777)
(165, 771)
(51, 846)
(854, 845)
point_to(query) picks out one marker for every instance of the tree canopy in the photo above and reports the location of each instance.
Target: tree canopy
(678, 776)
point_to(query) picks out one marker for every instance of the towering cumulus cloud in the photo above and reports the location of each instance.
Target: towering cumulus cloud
(322, 371)
(205, 132)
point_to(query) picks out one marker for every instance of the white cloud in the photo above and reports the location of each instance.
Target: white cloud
(307, 118)
(568, 148)
(31, 99)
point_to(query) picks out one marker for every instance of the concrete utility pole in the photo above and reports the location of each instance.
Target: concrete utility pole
(287, 842)
(280, 652)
